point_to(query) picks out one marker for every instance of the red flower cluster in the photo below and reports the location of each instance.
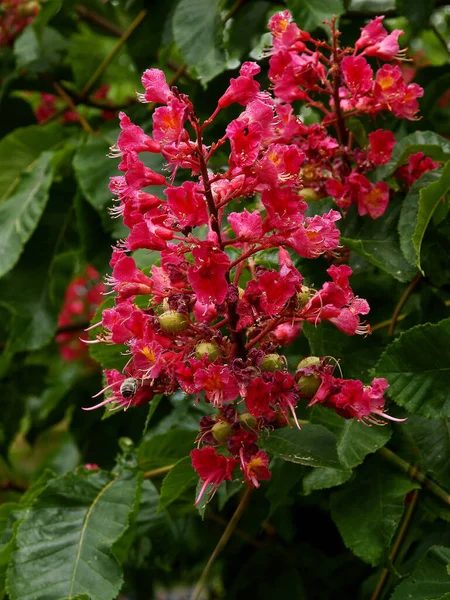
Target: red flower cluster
(50, 104)
(209, 318)
(341, 83)
(83, 297)
(14, 17)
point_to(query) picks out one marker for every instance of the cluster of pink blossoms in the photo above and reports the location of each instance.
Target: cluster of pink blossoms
(209, 318)
(83, 297)
(341, 83)
(15, 15)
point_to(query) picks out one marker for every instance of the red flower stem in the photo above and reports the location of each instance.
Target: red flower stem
(264, 332)
(401, 303)
(221, 323)
(396, 547)
(246, 255)
(222, 543)
(340, 124)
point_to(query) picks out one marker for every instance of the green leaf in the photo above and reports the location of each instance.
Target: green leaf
(21, 148)
(432, 438)
(378, 242)
(354, 439)
(418, 208)
(151, 411)
(309, 14)
(324, 478)
(20, 214)
(368, 510)
(417, 367)
(198, 32)
(285, 475)
(93, 170)
(180, 478)
(429, 578)
(39, 53)
(428, 142)
(246, 27)
(165, 449)
(313, 446)
(65, 552)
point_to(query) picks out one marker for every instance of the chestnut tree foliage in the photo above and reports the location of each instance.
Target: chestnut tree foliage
(261, 314)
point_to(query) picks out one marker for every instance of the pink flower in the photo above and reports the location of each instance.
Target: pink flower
(207, 275)
(243, 89)
(255, 468)
(372, 33)
(247, 226)
(187, 205)
(168, 122)
(374, 201)
(418, 164)
(212, 468)
(218, 383)
(156, 88)
(381, 143)
(387, 48)
(358, 74)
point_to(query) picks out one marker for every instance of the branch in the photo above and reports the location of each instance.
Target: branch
(396, 547)
(416, 475)
(222, 542)
(88, 15)
(97, 74)
(70, 103)
(401, 303)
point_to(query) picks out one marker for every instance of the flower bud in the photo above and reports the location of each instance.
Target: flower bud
(221, 431)
(309, 195)
(209, 349)
(271, 362)
(309, 384)
(173, 321)
(28, 9)
(247, 421)
(303, 296)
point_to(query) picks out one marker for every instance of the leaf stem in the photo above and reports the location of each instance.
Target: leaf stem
(401, 303)
(396, 547)
(386, 323)
(158, 472)
(222, 542)
(70, 103)
(416, 475)
(88, 15)
(121, 41)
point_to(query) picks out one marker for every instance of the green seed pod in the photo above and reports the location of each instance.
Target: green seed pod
(309, 384)
(309, 195)
(209, 349)
(222, 431)
(247, 421)
(173, 321)
(271, 362)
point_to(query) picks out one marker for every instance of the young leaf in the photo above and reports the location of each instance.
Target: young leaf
(418, 208)
(313, 446)
(20, 214)
(367, 510)
(64, 553)
(180, 478)
(198, 33)
(417, 367)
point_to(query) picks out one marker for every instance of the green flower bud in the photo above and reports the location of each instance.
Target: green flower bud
(309, 361)
(209, 349)
(309, 195)
(222, 431)
(247, 420)
(173, 321)
(271, 362)
(303, 296)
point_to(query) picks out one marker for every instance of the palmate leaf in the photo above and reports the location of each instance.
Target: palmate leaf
(63, 544)
(309, 14)
(417, 367)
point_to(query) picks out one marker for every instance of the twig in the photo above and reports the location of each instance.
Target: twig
(440, 37)
(401, 303)
(396, 547)
(222, 542)
(383, 324)
(86, 14)
(93, 79)
(242, 534)
(70, 103)
(158, 472)
(416, 475)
